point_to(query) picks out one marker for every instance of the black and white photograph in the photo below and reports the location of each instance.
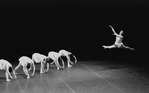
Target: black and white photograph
(74, 46)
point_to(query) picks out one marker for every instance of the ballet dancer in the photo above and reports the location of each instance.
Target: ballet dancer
(5, 65)
(118, 42)
(68, 54)
(27, 65)
(39, 58)
(56, 57)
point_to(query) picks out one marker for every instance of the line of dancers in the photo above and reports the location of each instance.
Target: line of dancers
(28, 64)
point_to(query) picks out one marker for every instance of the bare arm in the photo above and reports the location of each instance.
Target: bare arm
(75, 59)
(113, 30)
(47, 67)
(14, 74)
(120, 36)
(33, 69)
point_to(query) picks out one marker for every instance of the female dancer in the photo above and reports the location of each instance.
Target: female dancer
(27, 65)
(5, 65)
(39, 58)
(56, 57)
(68, 56)
(118, 42)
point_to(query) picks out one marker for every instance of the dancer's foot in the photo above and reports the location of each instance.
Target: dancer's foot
(8, 80)
(41, 72)
(57, 68)
(69, 65)
(28, 77)
(104, 47)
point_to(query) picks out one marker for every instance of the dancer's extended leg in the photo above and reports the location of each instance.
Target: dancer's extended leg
(123, 46)
(112, 46)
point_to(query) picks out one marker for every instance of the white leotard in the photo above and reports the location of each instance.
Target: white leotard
(37, 57)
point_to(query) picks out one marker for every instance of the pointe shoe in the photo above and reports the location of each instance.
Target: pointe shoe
(104, 47)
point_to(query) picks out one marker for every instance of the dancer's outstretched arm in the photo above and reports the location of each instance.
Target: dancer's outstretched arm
(109, 47)
(130, 48)
(113, 30)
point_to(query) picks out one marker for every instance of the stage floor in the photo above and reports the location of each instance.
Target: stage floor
(84, 77)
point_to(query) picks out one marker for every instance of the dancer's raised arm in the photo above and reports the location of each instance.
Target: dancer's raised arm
(113, 30)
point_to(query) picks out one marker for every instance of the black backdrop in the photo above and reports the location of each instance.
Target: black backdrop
(79, 26)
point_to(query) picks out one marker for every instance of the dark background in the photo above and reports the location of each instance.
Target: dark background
(79, 26)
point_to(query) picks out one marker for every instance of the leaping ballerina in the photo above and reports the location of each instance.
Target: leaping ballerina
(118, 42)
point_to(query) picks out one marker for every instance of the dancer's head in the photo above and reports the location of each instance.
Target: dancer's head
(121, 32)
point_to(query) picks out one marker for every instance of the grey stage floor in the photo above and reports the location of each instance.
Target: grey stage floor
(84, 77)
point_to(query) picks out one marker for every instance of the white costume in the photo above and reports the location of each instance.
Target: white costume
(39, 58)
(67, 54)
(55, 56)
(25, 62)
(118, 42)
(5, 65)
